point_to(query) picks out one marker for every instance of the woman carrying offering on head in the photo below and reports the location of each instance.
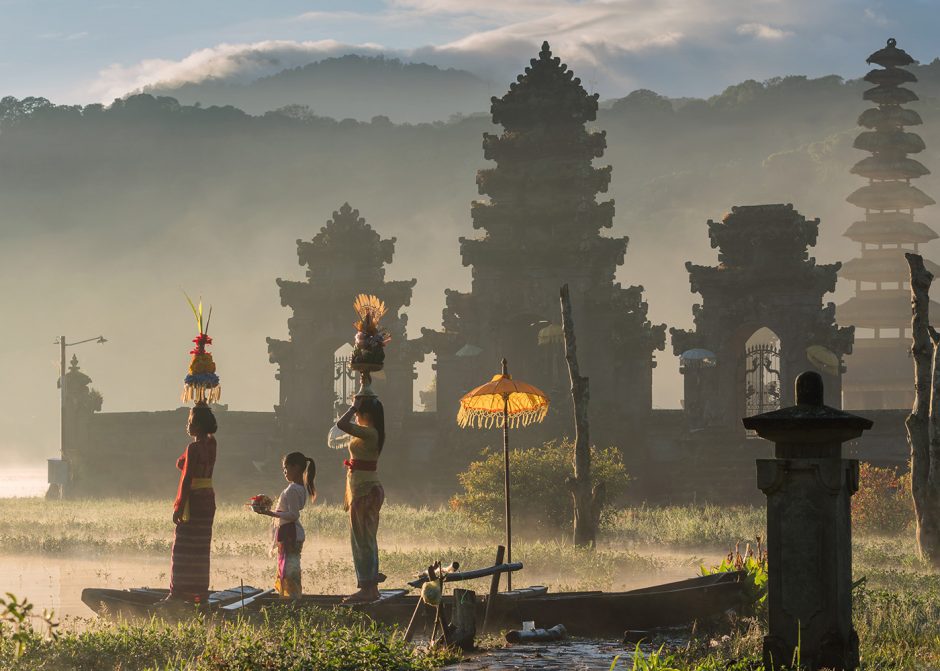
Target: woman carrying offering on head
(194, 510)
(364, 493)
(299, 471)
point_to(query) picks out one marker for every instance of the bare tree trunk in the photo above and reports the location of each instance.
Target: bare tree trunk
(923, 424)
(587, 501)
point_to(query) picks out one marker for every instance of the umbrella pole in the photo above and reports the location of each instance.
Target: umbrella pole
(506, 473)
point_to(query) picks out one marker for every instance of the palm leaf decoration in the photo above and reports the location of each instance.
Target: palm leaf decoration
(196, 311)
(370, 309)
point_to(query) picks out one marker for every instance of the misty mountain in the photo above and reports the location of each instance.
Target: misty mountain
(108, 212)
(355, 87)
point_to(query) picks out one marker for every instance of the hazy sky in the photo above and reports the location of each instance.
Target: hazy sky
(84, 51)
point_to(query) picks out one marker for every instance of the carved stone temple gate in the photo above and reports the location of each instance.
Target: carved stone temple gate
(765, 278)
(345, 258)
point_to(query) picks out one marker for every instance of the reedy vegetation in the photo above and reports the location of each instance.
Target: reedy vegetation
(897, 610)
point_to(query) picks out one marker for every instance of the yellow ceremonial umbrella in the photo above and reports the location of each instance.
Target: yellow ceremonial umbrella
(503, 402)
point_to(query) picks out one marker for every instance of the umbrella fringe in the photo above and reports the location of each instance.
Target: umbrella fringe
(488, 419)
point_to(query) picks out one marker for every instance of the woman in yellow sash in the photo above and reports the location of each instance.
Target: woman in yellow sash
(194, 510)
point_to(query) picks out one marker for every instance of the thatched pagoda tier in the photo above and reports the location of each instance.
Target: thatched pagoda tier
(889, 200)
(889, 168)
(896, 142)
(889, 118)
(882, 265)
(889, 95)
(890, 56)
(881, 308)
(883, 363)
(893, 228)
(890, 77)
(890, 196)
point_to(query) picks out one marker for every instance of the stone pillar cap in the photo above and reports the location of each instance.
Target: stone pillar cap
(809, 421)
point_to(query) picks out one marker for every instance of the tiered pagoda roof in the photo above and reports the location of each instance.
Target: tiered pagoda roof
(541, 226)
(542, 221)
(889, 227)
(889, 199)
(543, 186)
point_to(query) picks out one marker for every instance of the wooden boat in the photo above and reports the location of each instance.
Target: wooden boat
(582, 613)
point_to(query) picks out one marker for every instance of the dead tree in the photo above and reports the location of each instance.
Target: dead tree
(923, 424)
(587, 499)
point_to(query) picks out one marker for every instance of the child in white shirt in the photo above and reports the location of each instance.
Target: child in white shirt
(299, 471)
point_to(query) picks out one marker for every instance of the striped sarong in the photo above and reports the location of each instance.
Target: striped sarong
(363, 527)
(192, 544)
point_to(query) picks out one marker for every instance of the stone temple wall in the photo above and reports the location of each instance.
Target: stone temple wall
(134, 454)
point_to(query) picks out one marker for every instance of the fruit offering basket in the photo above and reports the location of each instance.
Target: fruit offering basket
(260, 503)
(369, 349)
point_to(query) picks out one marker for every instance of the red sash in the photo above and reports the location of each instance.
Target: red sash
(360, 465)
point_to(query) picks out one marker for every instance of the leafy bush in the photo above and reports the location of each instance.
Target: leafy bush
(883, 502)
(755, 563)
(537, 484)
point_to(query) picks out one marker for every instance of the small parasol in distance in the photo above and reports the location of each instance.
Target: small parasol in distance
(823, 359)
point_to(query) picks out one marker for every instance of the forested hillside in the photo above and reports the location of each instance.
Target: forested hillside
(211, 199)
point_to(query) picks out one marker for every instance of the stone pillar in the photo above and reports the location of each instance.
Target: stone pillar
(809, 530)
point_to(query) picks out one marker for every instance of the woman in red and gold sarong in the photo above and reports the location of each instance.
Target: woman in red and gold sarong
(194, 510)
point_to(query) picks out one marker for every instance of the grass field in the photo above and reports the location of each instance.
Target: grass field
(897, 611)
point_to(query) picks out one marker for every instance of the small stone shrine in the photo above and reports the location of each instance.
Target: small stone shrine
(347, 257)
(879, 372)
(765, 278)
(542, 226)
(809, 487)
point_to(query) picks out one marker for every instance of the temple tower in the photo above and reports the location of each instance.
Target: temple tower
(541, 229)
(347, 257)
(765, 283)
(879, 372)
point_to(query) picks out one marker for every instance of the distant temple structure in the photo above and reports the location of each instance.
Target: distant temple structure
(880, 372)
(541, 227)
(760, 323)
(347, 257)
(762, 320)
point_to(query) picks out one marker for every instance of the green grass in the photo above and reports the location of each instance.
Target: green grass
(283, 640)
(897, 611)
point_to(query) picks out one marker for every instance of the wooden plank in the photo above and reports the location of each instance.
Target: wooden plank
(471, 575)
(240, 603)
(494, 588)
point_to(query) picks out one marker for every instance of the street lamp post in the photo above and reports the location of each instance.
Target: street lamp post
(61, 342)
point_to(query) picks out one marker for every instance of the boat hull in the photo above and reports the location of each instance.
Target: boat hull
(583, 613)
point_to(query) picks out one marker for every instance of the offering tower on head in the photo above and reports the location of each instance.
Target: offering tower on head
(369, 349)
(201, 385)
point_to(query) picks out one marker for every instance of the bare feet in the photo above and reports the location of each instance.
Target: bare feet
(366, 594)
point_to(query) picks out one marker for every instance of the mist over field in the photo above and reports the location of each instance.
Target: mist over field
(108, 213)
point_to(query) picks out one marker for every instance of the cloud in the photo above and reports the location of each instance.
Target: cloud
(875, 17)
(230, 62)
(64, 37)
(763, 31)
(674, 46)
